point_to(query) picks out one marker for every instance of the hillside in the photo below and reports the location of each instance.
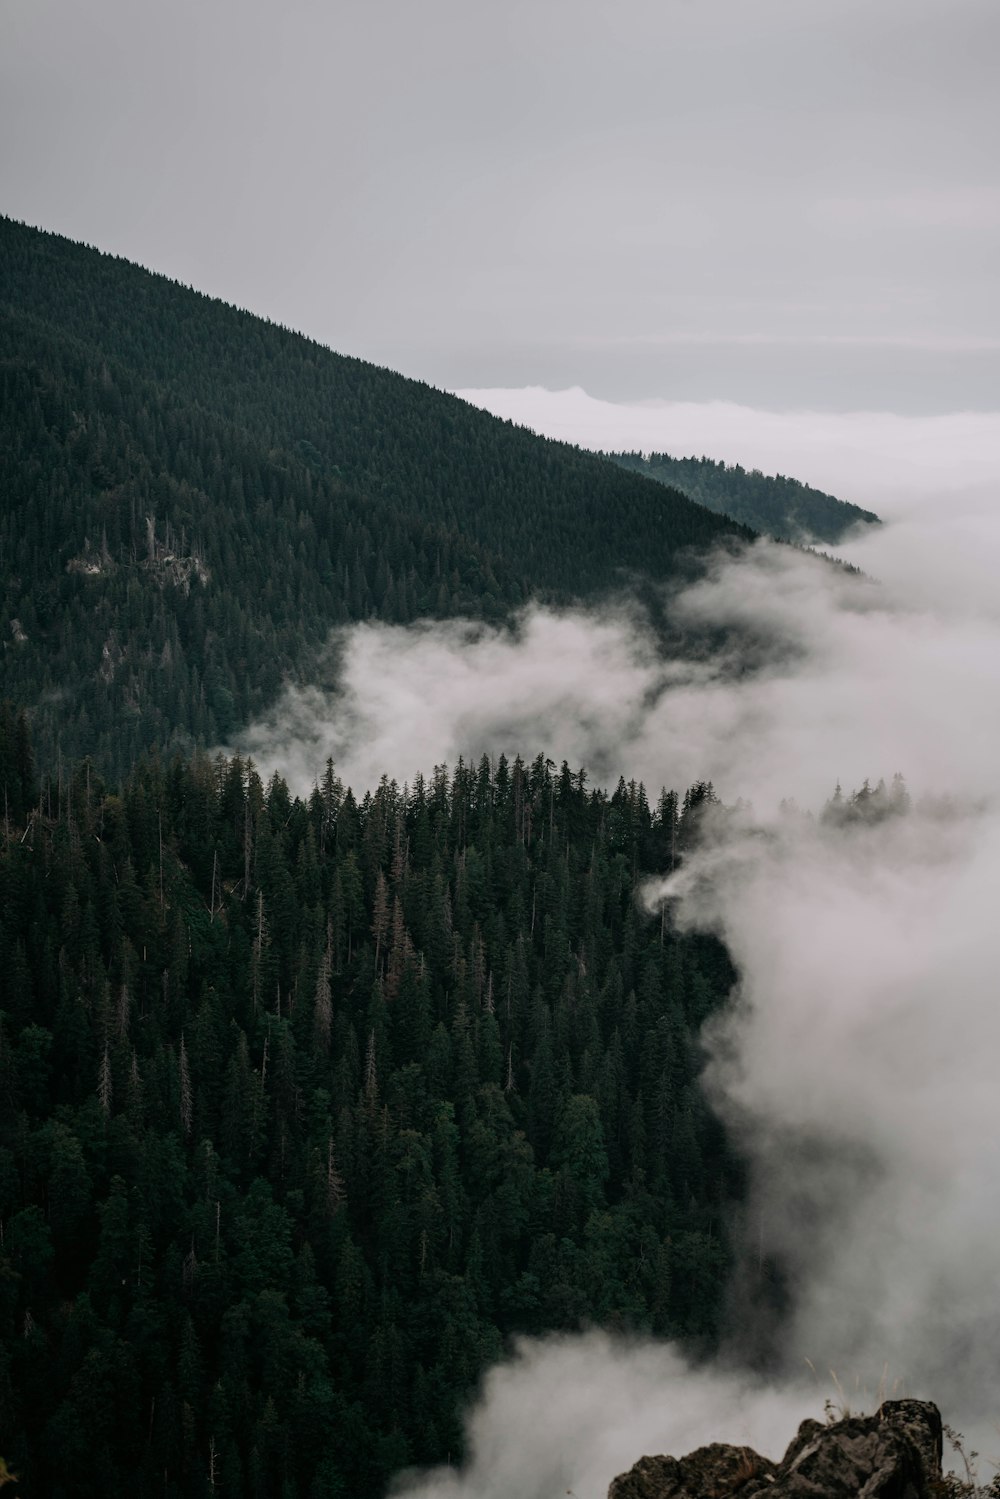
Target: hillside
(307, 1107)
(193, 497)
(776, 506)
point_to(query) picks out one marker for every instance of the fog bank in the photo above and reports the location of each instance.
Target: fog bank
(856, 1062)
(880, 460)
(857, 1066)
(837, 677)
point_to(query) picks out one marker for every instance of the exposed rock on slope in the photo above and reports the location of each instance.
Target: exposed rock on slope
(895, 1454)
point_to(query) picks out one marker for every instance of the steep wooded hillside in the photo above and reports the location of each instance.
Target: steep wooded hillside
(775, 505)
(193, 497)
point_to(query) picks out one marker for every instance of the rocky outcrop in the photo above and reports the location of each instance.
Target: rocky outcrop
(895, 1454)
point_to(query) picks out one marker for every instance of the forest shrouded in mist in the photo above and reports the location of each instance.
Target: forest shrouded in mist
(499, 713)
(194, 498)
(308, 1106)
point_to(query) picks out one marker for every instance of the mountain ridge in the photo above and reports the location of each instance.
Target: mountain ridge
(776, 505)
(316, 489)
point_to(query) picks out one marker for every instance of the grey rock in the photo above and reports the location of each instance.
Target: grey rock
(895, 1454)
(713, 1470)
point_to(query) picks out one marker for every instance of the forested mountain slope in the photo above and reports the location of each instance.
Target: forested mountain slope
(306, 1107)
(192, 497)
(777, 506)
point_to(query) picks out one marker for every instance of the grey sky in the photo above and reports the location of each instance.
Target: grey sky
(780, 202)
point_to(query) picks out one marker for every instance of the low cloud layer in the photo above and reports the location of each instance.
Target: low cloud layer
(850, 678)
(857, 1062)
(894, 464)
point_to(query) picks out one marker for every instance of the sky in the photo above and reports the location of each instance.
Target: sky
(888, 462)
(783, 203)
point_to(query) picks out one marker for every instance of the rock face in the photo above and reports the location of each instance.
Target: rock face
(895, 1454)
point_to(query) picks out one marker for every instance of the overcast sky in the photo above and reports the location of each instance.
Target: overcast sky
(776, 202)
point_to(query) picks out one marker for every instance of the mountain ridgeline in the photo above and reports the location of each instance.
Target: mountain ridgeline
(193, 497)
(777, 506)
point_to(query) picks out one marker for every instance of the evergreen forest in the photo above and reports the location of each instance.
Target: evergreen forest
(194, 497)
(310, 1106)
(776, 506)
(307, 1107)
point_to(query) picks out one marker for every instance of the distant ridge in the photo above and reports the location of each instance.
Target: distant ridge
(777, 506)
(193, 497)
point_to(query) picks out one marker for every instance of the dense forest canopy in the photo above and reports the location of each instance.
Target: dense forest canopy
(777, 506)
(306, 1107)
(194, 497)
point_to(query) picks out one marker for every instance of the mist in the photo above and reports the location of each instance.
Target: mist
(855, 1063)
(881, 460)
(605, 1402)
(834, 677)
(856, 1066)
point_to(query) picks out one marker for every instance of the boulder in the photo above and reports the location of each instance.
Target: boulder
(895, 1454)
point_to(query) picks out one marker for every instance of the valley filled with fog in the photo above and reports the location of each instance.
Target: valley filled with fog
(855, 1062)
(499, 727)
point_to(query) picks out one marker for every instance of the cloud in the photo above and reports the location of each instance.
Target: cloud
(935, 343)
(831, 676)
(972, 209)
(857, 1068)
(605, 1403)
(410, 697)
(883, 461)
(856, 1064)
(560, 169)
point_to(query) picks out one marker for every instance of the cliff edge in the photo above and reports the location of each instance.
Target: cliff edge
(895, 1454)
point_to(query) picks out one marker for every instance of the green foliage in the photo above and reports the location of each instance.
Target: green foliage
(777, 506)
(193, 498)
(307, 1107)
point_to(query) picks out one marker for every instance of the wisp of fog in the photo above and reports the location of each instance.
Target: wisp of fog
(856, 1063)
(877, 459)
